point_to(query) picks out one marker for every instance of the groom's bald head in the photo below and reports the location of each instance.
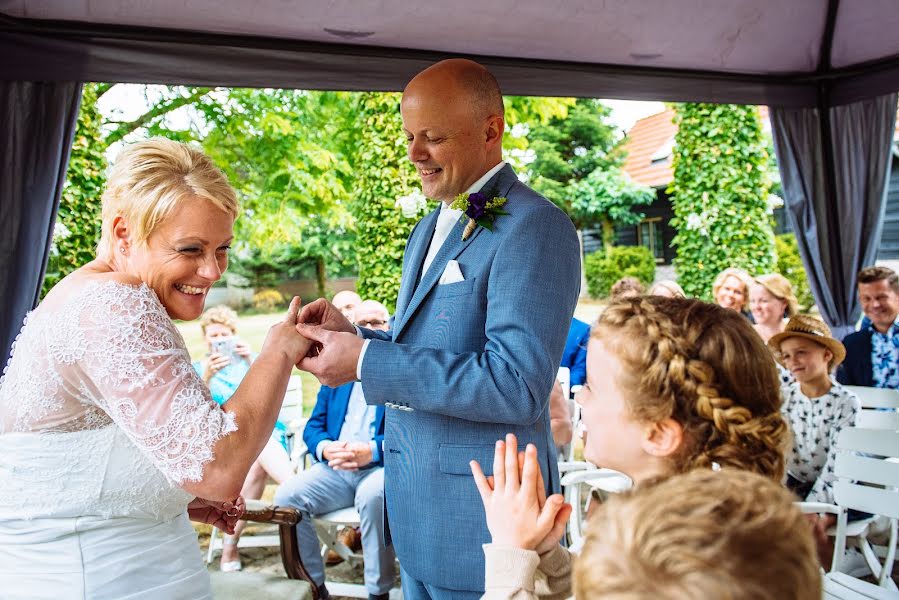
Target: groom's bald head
(453, 119)
(464, 81)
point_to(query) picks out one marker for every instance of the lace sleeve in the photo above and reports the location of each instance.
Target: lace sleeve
(138, 371)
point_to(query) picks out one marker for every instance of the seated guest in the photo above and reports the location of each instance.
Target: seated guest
(225, 366)
(346, 436)
(730, 534)
(673, 385)
(626, 287)
(346, 302)
(574, 356)
(771, 302)
(872, 353)
(731, 289)
(666, 288)
(817, 409)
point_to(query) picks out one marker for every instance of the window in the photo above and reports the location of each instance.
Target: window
(649, 234)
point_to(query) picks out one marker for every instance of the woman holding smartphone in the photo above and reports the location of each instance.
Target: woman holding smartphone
(223, 369)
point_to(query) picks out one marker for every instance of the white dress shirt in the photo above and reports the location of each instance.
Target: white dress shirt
(446, 220)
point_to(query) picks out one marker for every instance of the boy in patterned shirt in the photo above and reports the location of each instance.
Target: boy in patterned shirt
(816, 408)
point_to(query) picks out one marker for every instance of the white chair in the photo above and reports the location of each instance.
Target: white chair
(867, 480)
(578, 486)
(880, 407)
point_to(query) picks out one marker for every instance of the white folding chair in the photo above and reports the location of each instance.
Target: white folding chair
(867, 470)
(578, 486)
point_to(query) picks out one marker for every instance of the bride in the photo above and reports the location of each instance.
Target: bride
(109, 441)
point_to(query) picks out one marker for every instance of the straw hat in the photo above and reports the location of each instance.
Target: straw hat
(812, 329)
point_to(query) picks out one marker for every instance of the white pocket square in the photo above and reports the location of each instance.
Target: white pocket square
(451, 274)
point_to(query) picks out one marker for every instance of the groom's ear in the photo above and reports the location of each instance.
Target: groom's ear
(494, 130)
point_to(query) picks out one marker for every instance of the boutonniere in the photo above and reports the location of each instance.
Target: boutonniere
(479, 209)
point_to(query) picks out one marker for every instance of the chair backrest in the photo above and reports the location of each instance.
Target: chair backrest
(867, 470)
(292, 405)
(880, 407)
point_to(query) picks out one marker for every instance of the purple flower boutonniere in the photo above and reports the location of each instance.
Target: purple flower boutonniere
(479, 209)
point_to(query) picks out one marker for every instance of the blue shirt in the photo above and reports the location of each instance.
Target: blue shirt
(885, 357)
(358, 425)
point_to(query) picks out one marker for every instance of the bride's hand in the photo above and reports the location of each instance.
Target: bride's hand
(222, 515)
(284, 337)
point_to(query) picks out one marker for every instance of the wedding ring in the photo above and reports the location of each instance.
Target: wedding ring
(232, 512)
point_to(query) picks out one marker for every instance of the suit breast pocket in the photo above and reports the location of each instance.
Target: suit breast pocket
(450, 290)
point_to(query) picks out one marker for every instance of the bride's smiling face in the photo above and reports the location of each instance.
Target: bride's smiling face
(184, 256)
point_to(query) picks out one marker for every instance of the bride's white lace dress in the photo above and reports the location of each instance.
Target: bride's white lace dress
(101, 418)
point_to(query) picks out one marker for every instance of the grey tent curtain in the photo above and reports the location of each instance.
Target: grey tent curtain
(834, 163)
(37, 124)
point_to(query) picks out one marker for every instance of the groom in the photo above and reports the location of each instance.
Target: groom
(478, 333)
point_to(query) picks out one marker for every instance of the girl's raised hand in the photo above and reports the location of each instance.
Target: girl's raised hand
(516, 515)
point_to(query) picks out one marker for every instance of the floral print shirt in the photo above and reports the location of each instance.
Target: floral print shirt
(815, 424)
(885, 357)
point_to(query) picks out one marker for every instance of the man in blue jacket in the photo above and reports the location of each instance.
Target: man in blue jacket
(346, 435)
(489, 280)
(872, 353)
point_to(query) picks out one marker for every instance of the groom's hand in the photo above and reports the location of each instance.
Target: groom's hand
(325, 315)
(338, 355)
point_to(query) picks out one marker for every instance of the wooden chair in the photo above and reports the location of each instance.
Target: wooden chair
(262, 586)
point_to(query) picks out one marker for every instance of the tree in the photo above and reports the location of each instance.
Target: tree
(720, 195)
(577, 166)
(383, 174)
(607, 196)
(77, 230)
(285, 151)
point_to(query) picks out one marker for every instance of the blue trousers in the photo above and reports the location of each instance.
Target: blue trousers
(321, 489)
(414, 589)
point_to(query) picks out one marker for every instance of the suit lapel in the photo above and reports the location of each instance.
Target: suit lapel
(411, 297)
(452, 247)
(418, 248)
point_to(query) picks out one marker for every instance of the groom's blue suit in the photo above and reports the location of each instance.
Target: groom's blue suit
(464, 364)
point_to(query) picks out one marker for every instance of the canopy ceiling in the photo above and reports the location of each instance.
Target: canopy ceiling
(760, 51)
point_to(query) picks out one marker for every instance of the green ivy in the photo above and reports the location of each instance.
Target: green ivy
(78, 219)
(720, 195)
(383, 173)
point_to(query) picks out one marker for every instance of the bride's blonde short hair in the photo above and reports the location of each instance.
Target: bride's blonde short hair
(148, 181)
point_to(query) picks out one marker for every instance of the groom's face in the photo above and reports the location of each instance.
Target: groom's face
(446, 142)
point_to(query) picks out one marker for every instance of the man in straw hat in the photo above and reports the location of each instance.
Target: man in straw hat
(817, 409)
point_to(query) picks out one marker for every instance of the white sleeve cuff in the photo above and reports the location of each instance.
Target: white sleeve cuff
(358, 331)
(320, 449)
(361, 356)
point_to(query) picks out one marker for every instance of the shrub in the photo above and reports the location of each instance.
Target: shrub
(268, 300)
(603, 269)
(789, 264)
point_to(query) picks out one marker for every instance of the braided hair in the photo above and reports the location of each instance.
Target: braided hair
(706, 368)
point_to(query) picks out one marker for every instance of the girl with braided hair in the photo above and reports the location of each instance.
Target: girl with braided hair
(673, 385)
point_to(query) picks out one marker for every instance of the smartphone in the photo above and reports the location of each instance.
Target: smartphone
(225, 346)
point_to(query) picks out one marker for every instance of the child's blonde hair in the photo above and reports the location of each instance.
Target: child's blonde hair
(706, 534)
(706, 368)
(150, 178)
(219, 315)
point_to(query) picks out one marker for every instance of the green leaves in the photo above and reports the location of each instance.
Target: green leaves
(720, 195)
